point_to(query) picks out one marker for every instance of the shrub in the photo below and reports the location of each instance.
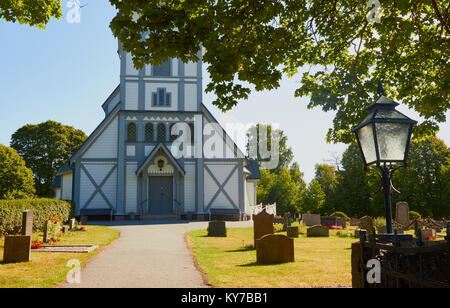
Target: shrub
(343, 234)
(341, 214)
(414, 215)
(11, 213)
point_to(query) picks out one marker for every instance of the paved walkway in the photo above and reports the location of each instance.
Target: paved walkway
(148, 254)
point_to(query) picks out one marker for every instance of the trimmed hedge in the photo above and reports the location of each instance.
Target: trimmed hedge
(11, 213)
(341, 214)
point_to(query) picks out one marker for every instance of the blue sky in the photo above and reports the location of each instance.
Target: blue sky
(67, 71)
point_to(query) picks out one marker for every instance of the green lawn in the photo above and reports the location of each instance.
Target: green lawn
(46, 269)
(229, 262)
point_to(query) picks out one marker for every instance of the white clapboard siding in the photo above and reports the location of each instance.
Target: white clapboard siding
(190, 97)
(175, 67)
(131, 70)
(105, 146)
(227, 146)
(190, 69)
(66, 184)
(132, 96)
(250, 196)
(131, 189)
(221, 172)
(86, 188)
(114, 101)
(189, 188)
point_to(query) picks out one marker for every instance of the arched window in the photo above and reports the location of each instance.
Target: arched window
(131, 132)
(161, 132)
(149, 132)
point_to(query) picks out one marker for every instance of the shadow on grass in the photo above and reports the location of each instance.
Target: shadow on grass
(243, 249)
(254, 264)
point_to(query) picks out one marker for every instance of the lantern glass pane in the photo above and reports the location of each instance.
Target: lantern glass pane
(392, 140)
(367, 141)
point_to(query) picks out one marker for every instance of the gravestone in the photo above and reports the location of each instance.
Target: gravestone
(66, 230)
(286, 221)
(292, 231)
(262, 225)
(402, 213)
(72, 224)
(426, 233)
(27, 222)
(333, 221)
(317, 231)
(355, 222)
(17, 248)
(217, 228)
(366, 224)
(274, 248)
(311, 219)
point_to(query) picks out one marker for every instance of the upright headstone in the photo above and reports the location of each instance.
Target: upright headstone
(366, 224)
(274, 248)
(72, 224)
(217, 228)
(262, 225)
(402, 213)
(286, 221)
(47, 228)
(311, 219)
(17, 248)
(27, 222)
(317, 231)
(292, 231)
(66, 230)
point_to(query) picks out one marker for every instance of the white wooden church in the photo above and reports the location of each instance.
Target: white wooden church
(127, 165)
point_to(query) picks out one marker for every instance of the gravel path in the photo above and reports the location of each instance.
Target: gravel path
(148, 254)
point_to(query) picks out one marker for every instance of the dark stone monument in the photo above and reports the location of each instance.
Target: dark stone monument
(311, 219)
(27, 222)
(17, 248)
(355, 222)
(286, 221)
(292, 231)
(217, 228)
(317, 231)
(262, 225)
(274, 248)
(333, 221)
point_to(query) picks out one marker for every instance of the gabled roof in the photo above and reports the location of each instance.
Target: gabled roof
(64, 168)
(253, 167)
(163, 147)
(95, 133)
(56, 182)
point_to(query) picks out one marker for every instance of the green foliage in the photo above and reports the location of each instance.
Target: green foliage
(32, 12)
(341, 214)
(45, 148)
(342, 233)
(16, 180)
(280, 188)
(278, 137)
(379, 222)
(326, 176)
(424, 184)
(313, 199)
(11, 213)
(256, 42)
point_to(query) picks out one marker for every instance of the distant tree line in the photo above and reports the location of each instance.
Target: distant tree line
(347, 187)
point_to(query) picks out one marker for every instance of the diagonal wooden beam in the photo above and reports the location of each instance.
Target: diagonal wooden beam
(221, 187)
(98, 188)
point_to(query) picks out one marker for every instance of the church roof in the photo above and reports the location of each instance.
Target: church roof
(253, 167)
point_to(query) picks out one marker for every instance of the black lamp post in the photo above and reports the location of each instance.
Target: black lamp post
(383, 138)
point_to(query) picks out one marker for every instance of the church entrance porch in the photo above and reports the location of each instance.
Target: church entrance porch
(160, 195)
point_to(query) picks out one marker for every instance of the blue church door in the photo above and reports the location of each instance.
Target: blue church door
(160, 195)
